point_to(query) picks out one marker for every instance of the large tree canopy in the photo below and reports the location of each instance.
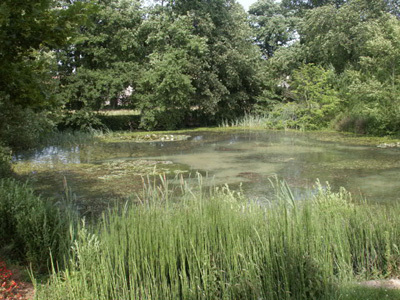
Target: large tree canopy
(103, 59)
(202, 62)
(189, 60)
(273, 25)
(30, 34)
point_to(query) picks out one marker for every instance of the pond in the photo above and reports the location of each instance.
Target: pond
(116, 168)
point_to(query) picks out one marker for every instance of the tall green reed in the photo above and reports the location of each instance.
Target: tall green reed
(220, 245)
(72, 138)
(31, 227)
(248, 120)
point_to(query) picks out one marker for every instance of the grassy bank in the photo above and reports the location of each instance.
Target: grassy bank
(32, 228)
(263, 122)
(215, 244)
(117, 129)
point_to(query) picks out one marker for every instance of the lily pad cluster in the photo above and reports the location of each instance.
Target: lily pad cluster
(141, 138)
(140, 167)
(389, 145)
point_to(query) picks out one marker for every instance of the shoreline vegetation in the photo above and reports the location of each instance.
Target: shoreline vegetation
(253, 122)
(286, 65)
(205, 243)
(213, 243)
(247, 123)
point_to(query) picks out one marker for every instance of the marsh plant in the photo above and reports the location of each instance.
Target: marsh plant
(5, 161)
(248, 121)
(216, 244)
(32, 228)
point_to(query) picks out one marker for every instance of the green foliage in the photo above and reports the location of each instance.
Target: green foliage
(274, 27)
(215, 244)
(357, 291)
(353, 121)
(120, 122)
(102, 61)
(312, 87)
(287, 116)
(30, 31)
(31, 228)
(5, 161)
(301, 6)
(196, 62)
(313, 102)
(166, 88)
(335, 36)
(201, 63)
(236, 61)
(83, 120)
(276, 74)
(372, 89)
(23, 128)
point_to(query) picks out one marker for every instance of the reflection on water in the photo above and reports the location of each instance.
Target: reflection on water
(247, 157)
(53, 154)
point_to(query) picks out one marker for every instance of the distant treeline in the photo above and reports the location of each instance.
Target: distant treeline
(304, 64)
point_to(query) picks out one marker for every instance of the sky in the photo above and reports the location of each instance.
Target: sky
(246, 3)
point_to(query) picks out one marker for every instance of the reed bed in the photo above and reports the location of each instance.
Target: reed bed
(73, 138)
(248, 121)
(32, 227)
(216, 244)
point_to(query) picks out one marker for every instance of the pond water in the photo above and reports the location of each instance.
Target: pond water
(103, 170)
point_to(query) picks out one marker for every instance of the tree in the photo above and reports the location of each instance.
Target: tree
(103, 60)
(301, 6)
(273, 25)
(335, 36)
(30, 32)
(220, 78)
(373, 87)
(166, 89)
(312, 101)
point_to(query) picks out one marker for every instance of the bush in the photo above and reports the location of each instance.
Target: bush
(351, 123)
(377, 121)
(23, 128)
(31, 228)
(5, 161)
(83, 119)
(120, 122)
(162, 119)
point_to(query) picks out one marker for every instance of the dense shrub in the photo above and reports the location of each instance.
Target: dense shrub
(5, 161)
(120, 122)
(162, 119)
(376, 121)
(23, 128)
(83, 119)
(351, 123)
(311, 100)
(31, 228)
(298, 116)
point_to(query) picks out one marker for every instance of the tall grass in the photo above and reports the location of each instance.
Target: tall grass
(274, 120)
(72, 138)
(216, 244)
(32, 228)
(5, 161)
(248, 121)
